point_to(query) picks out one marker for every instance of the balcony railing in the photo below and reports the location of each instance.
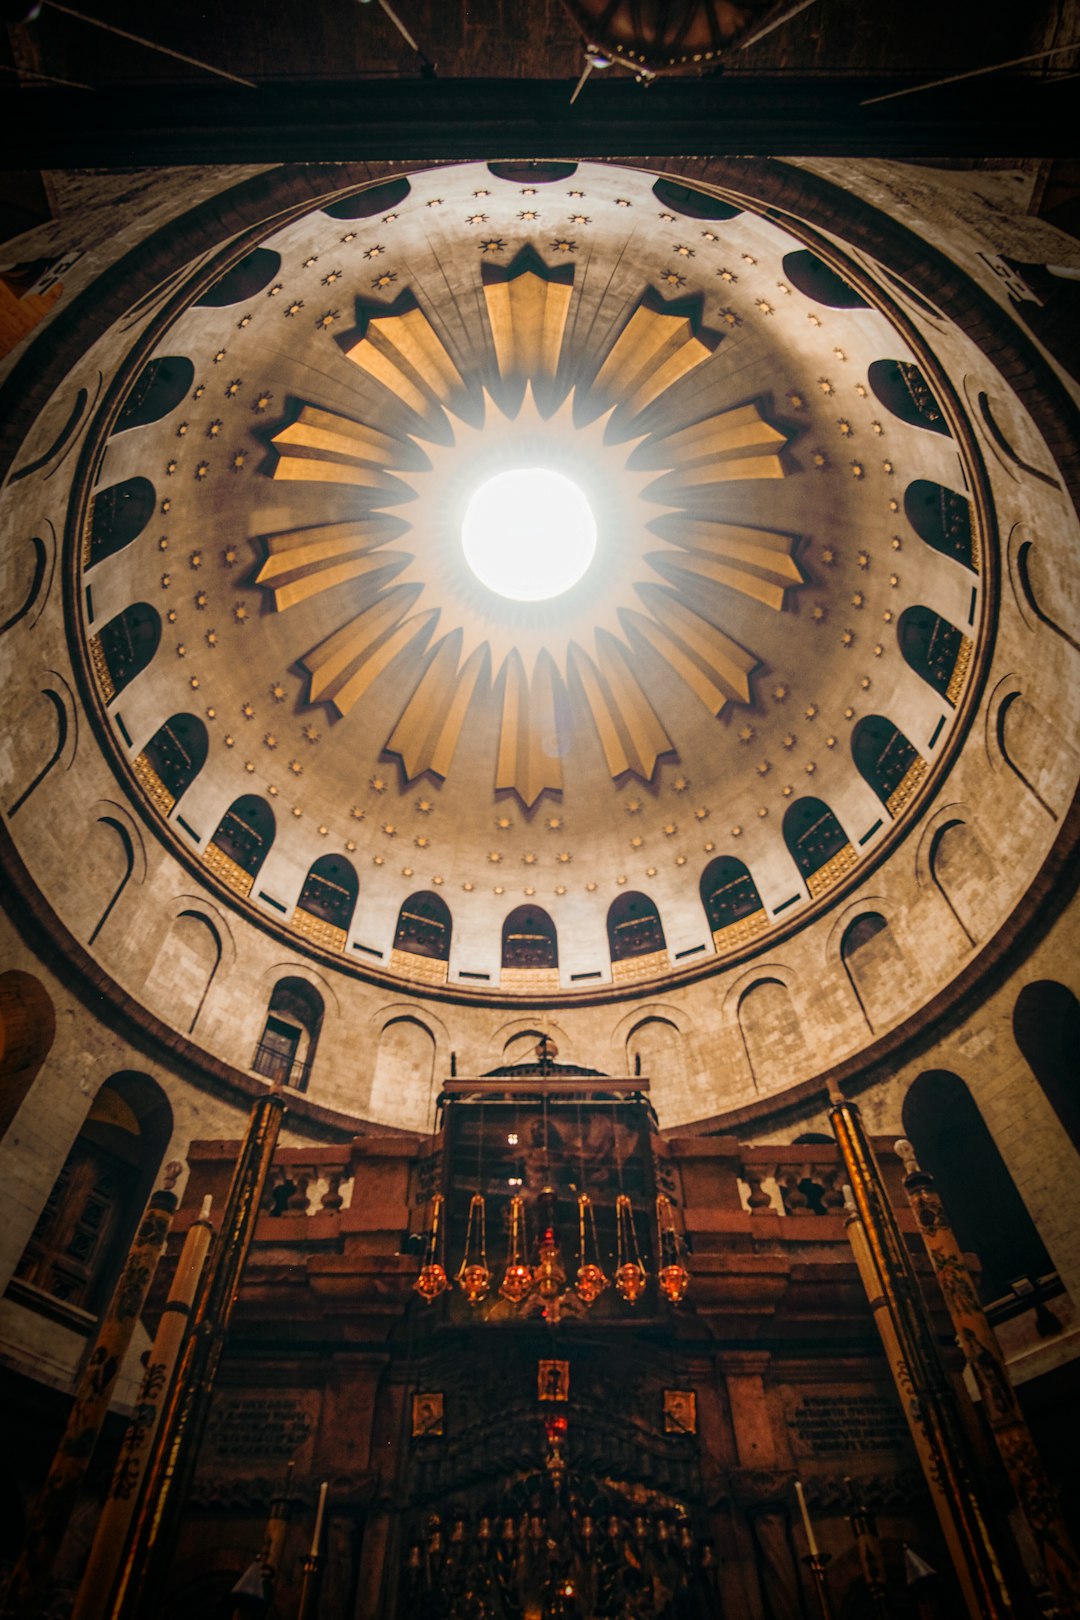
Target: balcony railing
(279, 1067)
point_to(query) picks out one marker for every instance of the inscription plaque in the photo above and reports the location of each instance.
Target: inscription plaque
(830, 1425)
(257, 1428)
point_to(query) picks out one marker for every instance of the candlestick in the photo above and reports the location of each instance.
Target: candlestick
(816, 1563)
(320, 1510)
(811, 1540)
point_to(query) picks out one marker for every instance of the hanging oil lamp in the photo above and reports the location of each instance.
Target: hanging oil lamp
(432, 1280)
(549, 1275)
(474, 1277)
(630, 1275)
(591, 1280)
(673, 1277)
(517, 1278)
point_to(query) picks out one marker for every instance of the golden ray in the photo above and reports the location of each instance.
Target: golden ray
(672, 651)
(328, 448)
(406, 355)
(527, 728)
(342, 667)
(428, 731)
(527, 315)
(721, 437)
(630, 733)
(728, 663)
(302, 562)
(652, 352)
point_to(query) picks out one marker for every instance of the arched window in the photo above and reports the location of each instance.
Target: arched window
(371, 201)
(83, 1233)
(173, 758)
(953, 1145)
(935, 649)
(327, 902)
(242, 842)
(424, 927)
(873, 964)
(1046, 1024)
(690, 203)
(884, 758)
(532, 174)
(529, 940)
(255, 271)
(905, 392)
(160, 387)
(125, 647)
(817, 843)
(634, 927)
(286, 1048)
(118, 516)
(731, 900)
(942, 518)
(812, 276)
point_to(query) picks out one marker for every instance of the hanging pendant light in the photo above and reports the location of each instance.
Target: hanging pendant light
(549, 1275)
(673, 1277)
(591, 1280)
(517, 1278)
(630, 1274)
(432, 1280)
(474, 1277)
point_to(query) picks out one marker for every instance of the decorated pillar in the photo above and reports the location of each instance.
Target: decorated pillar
(176, 1446)
(1006, 1420)
(49, 1516)
(907, 1333)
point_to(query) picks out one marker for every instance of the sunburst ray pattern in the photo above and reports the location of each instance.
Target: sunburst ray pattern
(413, 603)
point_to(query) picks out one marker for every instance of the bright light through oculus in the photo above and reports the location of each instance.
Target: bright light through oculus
(529, 534)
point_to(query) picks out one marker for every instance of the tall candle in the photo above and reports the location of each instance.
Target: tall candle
(811, 1541)
(321, 1509)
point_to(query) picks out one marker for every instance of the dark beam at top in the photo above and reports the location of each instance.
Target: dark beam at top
(769, 116)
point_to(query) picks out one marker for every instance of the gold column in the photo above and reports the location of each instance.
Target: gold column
(49, 1516)
(983, 1354)
(889, 1278)
(108, 1547)
(175, 1451)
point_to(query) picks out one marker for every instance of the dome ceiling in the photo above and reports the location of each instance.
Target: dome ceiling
(760, 665)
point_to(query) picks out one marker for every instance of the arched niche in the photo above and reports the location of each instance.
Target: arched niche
(935, 649)
(873, 963)
(175, 755)
(184, 968)
(324, 911)
(732, 902)
(954, 1145)
(1035, 751)
(634, 928)
(817, 844)
(942, 518)
(402, 1089)
(241, 841)
(85, 1229)
(424, 927)
(1046, 1028)
(964, 875)
(112, 868)
(906, 394)
(41, 738)
(290, 1035)
(529, 940)
(886, 760)
(27, 1030)
(118, 517)
(124, 647)
(28, 574)
(815, 279)
(771, 1033)
(373, 200)
(1033, 583)
(656, 1049)
(254, 272)
(690, 203)
(158, 389)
